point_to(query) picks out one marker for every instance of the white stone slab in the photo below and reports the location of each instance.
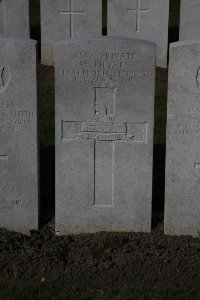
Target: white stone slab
(66, 19)
(104, 135)
(189, 20)
(14, 18)
(143, 19)
(182, 205)
(18, 136)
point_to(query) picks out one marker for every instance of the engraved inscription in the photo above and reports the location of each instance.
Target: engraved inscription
(138, 10)
(15, 116)
(4, 77)
(3, 157)
(71, 13)
(8, 205)
(192, 124)
(106, 67)
(104, 127)
(189, 215)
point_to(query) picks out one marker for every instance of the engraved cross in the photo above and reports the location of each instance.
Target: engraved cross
(138, 10)
(104, 129)
(71, 13)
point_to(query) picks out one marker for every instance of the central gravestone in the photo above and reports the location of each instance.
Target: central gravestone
(14, 18)
(104, 135)
(18, 136)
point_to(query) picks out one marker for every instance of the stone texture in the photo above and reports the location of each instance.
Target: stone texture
(104, 135)
(65, 19)
(189, 20)
(182, 208)
(143, 19)
(18, 136)
(14, 18)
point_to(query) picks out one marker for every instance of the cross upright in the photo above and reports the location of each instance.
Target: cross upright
(71, 13)
(138, 10)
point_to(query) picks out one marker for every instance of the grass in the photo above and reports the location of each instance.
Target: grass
(53, 292)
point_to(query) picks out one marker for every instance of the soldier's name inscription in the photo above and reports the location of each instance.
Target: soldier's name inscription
(105, 67)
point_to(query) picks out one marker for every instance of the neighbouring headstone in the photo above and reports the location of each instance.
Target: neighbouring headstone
(182, 205)
(143, 19)
(189, 20)
(18, 135)
(14, 18)
(104, 135)
(67, 19)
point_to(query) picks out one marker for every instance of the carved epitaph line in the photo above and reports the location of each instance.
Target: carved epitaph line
(3, 157)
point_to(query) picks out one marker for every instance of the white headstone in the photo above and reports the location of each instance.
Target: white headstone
(182, 208)
(18, 136)
(14, 18)
(104, 135)
(143, 19)
(66, 19)
(189, 20)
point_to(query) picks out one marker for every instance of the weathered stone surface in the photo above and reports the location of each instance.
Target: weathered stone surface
(66, 19)
(182, 208)
(143, 19)
(104, 135)
(18, 135)
(189, 20)
(14, 18)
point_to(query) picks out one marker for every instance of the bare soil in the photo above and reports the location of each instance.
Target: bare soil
(100, 260)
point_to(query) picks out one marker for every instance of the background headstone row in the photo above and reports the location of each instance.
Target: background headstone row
(65, 19)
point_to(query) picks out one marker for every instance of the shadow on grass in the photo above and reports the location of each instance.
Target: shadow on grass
(47, 185)
(158, 184)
